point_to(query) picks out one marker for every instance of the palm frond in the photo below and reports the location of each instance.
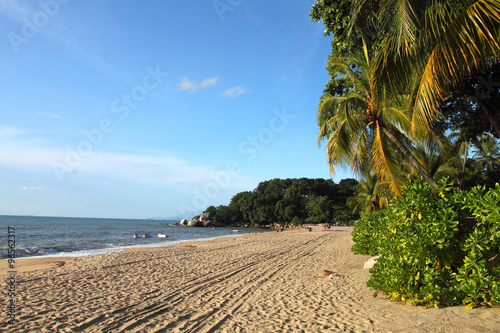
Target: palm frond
(464, 47)
(385, 164)
(404, 23)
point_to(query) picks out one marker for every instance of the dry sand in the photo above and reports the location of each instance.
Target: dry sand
(264, 283)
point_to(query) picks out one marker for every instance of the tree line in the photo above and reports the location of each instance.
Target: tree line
(288, 201)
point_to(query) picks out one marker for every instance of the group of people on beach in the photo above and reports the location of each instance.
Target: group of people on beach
(279, 228)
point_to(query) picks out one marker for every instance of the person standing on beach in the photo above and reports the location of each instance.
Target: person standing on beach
(278, 228)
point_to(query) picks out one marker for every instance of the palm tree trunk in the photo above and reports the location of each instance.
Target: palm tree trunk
(413, 161)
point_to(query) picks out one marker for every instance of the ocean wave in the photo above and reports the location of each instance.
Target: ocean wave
(73, 237)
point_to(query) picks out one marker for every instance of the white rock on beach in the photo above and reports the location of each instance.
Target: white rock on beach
(371, 262)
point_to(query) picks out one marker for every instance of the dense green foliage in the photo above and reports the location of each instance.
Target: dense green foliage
(420, 57)
(340, 18)
(437, 246)
(403, 73)
(472, 109)
(288, 201)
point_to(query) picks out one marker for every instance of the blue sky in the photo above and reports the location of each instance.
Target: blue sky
(139, 109)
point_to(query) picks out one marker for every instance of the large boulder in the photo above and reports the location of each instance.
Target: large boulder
(195, 223)
(205, 217)
(183, 222)
(208, 223)
(202, 221)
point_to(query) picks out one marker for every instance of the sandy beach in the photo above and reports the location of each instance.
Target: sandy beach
(258, 283)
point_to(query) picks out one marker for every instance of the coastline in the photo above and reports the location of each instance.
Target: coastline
(37, 263)
(37, 236)
(252, 283)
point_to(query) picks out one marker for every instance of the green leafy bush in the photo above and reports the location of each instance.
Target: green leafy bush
(437, 247)
(479, 276)
(367, 233)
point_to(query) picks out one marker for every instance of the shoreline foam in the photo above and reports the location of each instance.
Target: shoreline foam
(108, 250)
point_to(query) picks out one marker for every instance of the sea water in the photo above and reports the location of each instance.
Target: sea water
(69, 236)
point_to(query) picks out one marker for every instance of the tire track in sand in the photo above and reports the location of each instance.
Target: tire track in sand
(249, 272)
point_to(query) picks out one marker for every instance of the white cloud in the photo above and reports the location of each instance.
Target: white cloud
(143, 168)
(32, 188)
(234, 92)
(25, 153)
(192, 86)
(50, 115)
(166, 180)
(6, 131)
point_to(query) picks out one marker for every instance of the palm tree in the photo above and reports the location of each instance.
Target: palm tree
(433, 46)
(367, 129)
(371, 195)
(440, 160)
(487, 154)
